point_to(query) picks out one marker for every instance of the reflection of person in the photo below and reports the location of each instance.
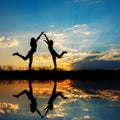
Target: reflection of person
(54, 95)
(33, 105)
(31, 52)
(53, 52)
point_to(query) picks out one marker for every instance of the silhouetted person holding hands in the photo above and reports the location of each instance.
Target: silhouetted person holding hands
(33, 105)
(54, 95)
(33, 44)
(53, 52)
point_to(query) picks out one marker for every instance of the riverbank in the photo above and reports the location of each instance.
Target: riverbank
(48, 74)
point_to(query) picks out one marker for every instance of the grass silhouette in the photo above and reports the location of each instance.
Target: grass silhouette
(8, 72)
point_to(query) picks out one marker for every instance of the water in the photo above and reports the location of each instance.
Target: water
(87, 100)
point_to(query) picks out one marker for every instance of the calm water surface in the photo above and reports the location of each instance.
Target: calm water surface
(87, 100)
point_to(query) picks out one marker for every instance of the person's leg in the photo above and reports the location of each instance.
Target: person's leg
(59, 93)
(30, 61)
(59, 56)
(23, 92)
(54, 61)
(21, 56)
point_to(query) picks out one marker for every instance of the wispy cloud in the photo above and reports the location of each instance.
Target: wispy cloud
(52, 26)
(80, 36)
(59, 39)
(8, 42)
(79, 40)
(88, 1)
(80, 29)
(74, 38)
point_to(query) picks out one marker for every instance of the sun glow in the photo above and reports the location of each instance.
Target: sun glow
(37, 64)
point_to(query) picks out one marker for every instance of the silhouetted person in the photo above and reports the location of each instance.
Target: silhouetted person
(33, 44)
(53, 52)
(33, 105)
(54, 95)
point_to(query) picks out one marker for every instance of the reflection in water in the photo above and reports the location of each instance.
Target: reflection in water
(53, 96)
(8, 107)
(33, 105)
(86, 100)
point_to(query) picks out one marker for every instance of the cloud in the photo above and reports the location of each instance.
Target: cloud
(73, 39)
(80, 37)
(90, 2)
(60, 40)
(80, 40)
(57, 37)
(8, 107)
(110, 94)
(98, 60)
(87, 117)
(52, 26)
(2, 111)
(110, 55)
(77, 37)
(8, 42)
(81, 29)
(90, 90)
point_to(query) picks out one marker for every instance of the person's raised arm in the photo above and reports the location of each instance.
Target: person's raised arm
(46, 38)
(46, 41)
(46, 111)
(39, 36)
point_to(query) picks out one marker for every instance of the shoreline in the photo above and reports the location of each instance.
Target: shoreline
(48, 74)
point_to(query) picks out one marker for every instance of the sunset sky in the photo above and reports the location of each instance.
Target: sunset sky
(88, 29)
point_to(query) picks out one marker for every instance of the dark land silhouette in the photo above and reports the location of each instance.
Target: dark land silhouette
(49, 74)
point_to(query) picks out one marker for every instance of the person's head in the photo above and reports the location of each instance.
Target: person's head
(32, 41)
(51, 42)
(32, 107)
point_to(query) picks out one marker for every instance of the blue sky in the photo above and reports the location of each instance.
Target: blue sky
(85, 28)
